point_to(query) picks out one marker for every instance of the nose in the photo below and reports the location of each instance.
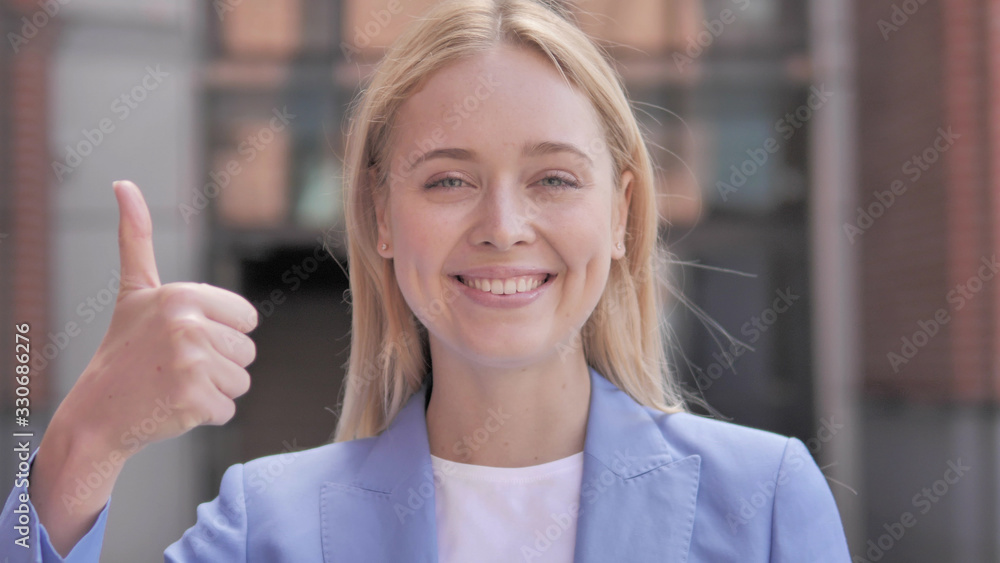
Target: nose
(506, 216)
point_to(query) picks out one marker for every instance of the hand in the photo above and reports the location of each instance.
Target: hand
(173, 357)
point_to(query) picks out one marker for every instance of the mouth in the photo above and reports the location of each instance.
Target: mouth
(506, 286)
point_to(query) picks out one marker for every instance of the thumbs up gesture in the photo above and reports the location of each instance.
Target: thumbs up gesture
(174, 355)
(174, 358)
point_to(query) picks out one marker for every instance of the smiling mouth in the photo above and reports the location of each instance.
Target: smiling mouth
(506, 286)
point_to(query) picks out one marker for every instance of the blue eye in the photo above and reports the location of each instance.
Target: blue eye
(561, 182)
(448, 182)
(550, 181)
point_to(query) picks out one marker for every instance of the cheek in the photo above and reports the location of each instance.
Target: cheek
(583, 231)
(585, 246)
(410, 225)
(421, 240)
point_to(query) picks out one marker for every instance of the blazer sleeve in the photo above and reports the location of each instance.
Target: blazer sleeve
(806, 525)
(220, 534)
(26, 539)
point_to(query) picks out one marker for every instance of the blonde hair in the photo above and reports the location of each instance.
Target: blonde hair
(624, 339)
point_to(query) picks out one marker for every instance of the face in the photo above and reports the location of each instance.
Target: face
(500, 178)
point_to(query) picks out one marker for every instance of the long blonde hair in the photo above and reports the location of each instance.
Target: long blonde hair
(624, 339)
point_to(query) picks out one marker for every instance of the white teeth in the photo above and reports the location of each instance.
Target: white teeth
(506, 286)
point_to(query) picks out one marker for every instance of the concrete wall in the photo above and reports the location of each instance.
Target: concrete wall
(106, 50)
(939, 465)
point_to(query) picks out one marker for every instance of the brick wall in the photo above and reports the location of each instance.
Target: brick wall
(923, 70)
(992, 24)
(26, 254)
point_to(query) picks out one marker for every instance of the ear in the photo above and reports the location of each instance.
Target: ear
(382, 215)
(623, 198)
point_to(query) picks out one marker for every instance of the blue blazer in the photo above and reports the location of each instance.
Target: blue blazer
(656, 487)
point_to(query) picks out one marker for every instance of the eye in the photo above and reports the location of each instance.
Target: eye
(447, 182)
(559, 181)
(553, 180)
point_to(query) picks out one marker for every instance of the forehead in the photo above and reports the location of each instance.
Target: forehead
(497, 100)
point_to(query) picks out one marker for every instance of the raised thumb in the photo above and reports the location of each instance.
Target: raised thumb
(135, 239)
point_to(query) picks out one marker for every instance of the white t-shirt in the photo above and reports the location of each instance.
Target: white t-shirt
(507, 514)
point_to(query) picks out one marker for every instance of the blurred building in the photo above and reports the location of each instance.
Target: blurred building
(826, 185)
(93, 92)
(925, 222)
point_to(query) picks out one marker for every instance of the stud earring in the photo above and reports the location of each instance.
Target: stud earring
(384, 246)
(619, 244)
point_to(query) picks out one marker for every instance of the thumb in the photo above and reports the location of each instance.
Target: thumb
(135, 239)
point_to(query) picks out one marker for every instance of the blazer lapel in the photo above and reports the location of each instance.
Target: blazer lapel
(637, 499)
(385, 511)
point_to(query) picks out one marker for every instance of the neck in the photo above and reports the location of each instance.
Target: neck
(508, 416)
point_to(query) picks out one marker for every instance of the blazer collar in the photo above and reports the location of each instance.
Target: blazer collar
(637, 498)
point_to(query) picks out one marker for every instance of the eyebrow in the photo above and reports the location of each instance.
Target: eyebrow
(529, 149)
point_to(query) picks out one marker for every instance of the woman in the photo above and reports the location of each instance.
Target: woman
(507, 394)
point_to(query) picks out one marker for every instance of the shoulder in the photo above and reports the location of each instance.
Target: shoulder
(745, 466)
(758, 486)
(305, 468)
(720, 441)
(269, 505)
